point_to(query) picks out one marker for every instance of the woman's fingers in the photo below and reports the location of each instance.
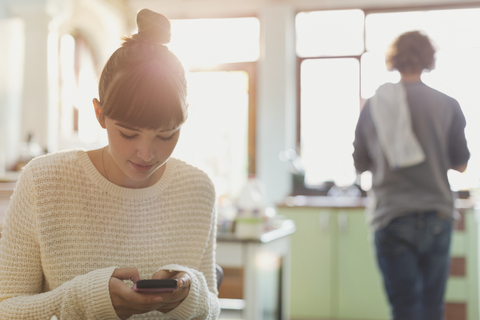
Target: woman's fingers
(175, 298)
(183, 280)
(127, 302)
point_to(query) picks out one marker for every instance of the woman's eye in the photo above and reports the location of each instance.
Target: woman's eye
(127, 136)
(166, 138)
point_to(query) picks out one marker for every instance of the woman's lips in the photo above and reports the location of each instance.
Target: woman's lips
(141, 168)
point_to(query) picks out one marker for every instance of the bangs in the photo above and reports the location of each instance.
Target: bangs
(148, 97)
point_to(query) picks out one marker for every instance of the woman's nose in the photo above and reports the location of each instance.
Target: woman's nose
(145, 152)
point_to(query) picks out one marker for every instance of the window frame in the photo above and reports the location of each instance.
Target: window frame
(366, 11)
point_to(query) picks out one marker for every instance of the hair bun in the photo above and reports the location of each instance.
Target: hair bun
(153, 27)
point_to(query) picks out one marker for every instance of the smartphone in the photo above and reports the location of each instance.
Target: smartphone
(155, 285)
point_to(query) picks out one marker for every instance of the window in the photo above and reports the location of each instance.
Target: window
(329, 33)
(215, 136)
(329, 44)
(209, 42)
(78, 82)
(330, 100)
(219, 135)
(456, 74)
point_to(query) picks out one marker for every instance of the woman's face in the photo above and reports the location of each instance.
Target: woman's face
(137, 153)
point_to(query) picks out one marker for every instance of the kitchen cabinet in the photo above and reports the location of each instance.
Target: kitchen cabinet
(360, 288)
(462, 295)
(265, 267)
(334, 269)
(334, 273)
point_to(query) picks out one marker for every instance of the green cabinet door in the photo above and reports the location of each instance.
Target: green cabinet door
(334, 273)
(471, 221)
(334, 269)
(360, 287)
(311, 264)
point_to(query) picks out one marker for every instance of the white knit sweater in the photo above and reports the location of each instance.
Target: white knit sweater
(67, 228)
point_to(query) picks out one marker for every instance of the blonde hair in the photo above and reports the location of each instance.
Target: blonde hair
(143, 83)
(411, 52)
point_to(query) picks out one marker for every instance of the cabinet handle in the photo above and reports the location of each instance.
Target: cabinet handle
(342, 221)
(324, 221)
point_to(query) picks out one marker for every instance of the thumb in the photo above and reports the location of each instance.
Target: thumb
(163, 274)
(126, 274)
(184, 279)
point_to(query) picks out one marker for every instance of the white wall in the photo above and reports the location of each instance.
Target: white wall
(276, 99)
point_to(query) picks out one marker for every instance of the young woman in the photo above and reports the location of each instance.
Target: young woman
(84, 226)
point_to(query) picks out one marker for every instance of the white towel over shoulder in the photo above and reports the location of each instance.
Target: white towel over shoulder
(392, 120)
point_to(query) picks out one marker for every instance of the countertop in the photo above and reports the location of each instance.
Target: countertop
(287, 228)
(347, 202)
(324, 202)
(7, 183)
(6, 188)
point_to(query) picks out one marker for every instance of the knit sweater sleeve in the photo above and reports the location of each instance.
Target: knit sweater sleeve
(202, 301)
(22, 284)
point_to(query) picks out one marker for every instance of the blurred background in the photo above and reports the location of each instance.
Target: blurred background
(274, 87)
(270, 82)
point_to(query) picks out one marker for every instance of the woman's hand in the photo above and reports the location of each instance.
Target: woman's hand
(171, 300)
(127, 302)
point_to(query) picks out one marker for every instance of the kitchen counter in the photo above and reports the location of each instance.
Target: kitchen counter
(346, 202)
(324, 202)
(287, 228)
(264, 265)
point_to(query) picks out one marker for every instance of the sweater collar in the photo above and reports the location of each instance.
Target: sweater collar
(123, 192)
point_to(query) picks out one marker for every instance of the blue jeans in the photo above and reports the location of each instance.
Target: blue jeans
(413, 253)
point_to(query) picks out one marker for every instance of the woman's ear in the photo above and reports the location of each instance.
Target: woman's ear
(98, 112)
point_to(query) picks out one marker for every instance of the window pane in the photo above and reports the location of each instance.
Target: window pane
(457, 74)
(454, 29)
(207, 42)
(448, 28)
(78, 84)
(329, 33)
(374, 73)
(382, 28)
(68, 84)
(215, 136)
(329, 112)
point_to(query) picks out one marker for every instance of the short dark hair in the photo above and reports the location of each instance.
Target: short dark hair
(143, 83)
(411, 52)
